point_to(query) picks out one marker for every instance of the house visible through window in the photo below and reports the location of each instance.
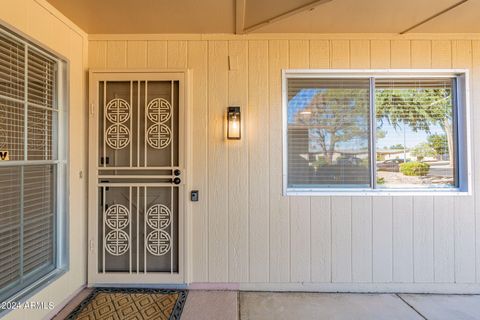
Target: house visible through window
(374, 132)
(32, 165)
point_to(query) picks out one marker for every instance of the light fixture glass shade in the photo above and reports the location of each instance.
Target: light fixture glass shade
(234, 126)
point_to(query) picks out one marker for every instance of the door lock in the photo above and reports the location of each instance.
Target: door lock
(176, 180)
(177, 172)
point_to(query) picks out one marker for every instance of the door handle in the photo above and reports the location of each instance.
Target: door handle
(176, 180)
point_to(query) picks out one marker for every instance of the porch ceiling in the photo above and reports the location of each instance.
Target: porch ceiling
(219, 16)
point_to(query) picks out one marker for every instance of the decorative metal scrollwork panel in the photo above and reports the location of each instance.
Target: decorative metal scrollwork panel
(117, 241)
(138, 123)
(117, 111)
(117, 135)
(158, 240)
(159, 135)
(139, 229)
(138, 146)
(159, 110)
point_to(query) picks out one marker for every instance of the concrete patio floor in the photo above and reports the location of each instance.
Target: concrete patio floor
(233, 305)
(229, 305)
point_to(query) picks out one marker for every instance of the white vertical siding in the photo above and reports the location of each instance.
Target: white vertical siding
(243, 229)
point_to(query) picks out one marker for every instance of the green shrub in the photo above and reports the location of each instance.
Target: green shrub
(380, 180)
(414, 168)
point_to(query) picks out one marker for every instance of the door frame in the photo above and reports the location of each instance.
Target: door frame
(94, 277)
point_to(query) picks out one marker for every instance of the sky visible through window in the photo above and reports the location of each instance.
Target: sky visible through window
(403, 135)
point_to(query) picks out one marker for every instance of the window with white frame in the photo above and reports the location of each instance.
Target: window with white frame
(375, 131)
(32, 166)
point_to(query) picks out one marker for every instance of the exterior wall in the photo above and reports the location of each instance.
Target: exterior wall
(244, 233)
(41, 23)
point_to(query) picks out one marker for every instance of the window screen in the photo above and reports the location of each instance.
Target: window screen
(29, 128)
(372, 132)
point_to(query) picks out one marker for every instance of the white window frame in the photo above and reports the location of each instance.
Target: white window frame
(463, 115)
(61, 166)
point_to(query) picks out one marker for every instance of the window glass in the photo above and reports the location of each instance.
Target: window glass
(415, 134)
(375, 131)
(29, 145)
(328, 133)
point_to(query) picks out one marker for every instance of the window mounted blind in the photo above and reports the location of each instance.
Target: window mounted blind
(328, 129)
(28, 132)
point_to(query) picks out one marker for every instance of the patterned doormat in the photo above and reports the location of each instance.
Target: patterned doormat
(130, 304)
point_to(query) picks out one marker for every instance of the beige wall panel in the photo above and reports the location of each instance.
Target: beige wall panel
(380, 54)
(464, 207)
(444, 217)
(441, 54)
(462, 54)
(217, 162)
(361, 239)
(444, 245)
(116, 54)
(359, 54)
(14, 14)
(476, 138)
(278, 55)
(382, 229)
(78, 160)
(402, 218)
(177, 54)
(258, 153)
(137, 54)
(299, 206)
(97, 54)
(238, 166)
(421, 54)
(321, 239)
(340, 54)
(299, 54)
(197, 62)
(319, 54)
(400, 54)
(311, 239)
(157, 54)
(341, 239)
(40, 24)
(423, 239)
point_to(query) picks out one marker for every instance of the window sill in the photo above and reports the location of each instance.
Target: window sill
(23, 296)
(373, 193)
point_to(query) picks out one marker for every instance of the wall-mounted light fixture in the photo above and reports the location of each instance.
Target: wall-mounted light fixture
(234, 125)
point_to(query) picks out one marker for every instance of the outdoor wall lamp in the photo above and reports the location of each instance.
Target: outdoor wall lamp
(234, 125)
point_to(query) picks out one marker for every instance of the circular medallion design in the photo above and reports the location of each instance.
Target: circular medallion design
(159, 110)
(117, 111)
(116, 216)
(158, 216)
(117, 242)
(36, 136)
(117, 136)
(158, 242)
(159, 136)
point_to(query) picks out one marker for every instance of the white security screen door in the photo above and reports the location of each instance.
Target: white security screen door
(137, 170)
